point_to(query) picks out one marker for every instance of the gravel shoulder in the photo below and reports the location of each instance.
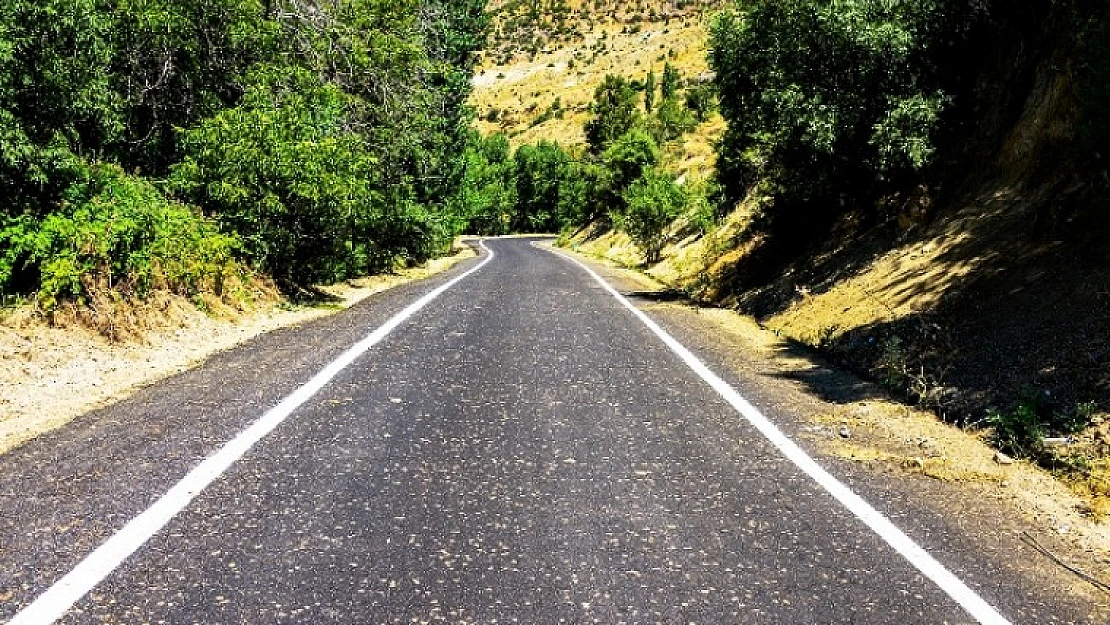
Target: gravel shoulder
(50, 375)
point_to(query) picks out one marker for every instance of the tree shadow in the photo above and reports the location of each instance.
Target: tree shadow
(1012, 305)
(306, 294)
(661, 296)
(831, 383)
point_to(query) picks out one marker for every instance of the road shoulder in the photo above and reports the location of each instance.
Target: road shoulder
(1017, 515)
(54, 375)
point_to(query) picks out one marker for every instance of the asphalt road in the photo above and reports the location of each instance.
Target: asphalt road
(521, 450)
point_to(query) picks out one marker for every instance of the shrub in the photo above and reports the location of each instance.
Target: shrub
(1018, 432)
(651, 203)
(116, 233)
(614, 113)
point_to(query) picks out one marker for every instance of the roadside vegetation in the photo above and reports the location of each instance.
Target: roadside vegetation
(914, 189)
(198, 147)
(618, 177)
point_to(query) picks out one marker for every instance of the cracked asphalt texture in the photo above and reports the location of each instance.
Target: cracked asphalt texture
(520, 451)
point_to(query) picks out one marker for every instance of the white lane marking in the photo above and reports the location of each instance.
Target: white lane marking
(59, 598)
(971, 602)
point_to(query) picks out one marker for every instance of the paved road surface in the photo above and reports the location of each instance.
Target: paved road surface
(521, 450)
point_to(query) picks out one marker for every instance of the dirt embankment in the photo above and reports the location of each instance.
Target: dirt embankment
(51, 374)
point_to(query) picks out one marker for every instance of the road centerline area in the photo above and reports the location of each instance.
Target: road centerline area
(898, 540)
(51, 605)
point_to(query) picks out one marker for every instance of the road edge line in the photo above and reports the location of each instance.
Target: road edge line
(52, 604)
(922, 560)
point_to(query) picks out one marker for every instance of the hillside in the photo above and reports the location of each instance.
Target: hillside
(977, 286)
(538, 76)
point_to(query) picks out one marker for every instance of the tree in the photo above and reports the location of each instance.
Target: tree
(829, 99)
(649, 91)
(177, 62)
(485, 201)
(701, 100)
(672, 120)
(331, 136)
(281, 170)
(651, 203)
(629, 157)
(56, 99)
(669, 86)
(614, 113)
(544, 186)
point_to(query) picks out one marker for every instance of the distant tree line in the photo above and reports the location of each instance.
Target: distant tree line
(617, 178)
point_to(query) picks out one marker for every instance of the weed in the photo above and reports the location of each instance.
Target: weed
(1019, 432)
(1072, 421)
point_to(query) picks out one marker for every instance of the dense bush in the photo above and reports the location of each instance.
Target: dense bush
(114, 232)
(651, 203)
(280, 170)
(327, 137)
(829, 98)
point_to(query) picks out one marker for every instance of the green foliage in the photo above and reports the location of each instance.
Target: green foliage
(281, 171)
(177, 62)
(55, 96)
(114, 232)
(328, 138)
(701, 100)
(651, 203)
(485, 201)
(614, 113)
(830, 98)
(549, 193)
(649, 92)
(1019, 432)
(671, 121)
(901, 138)
(669, 85)
(628, 158)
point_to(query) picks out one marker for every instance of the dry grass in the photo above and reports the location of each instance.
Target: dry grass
(522, 90)
(891, 437)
